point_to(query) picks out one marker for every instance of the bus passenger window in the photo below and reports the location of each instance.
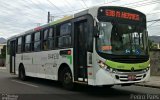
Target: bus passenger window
(64, 40)
(45, 37)
(51, 39)
(27, 43)
(19, 45)
(37, 43)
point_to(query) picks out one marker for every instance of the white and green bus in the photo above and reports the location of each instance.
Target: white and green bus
(100, 46)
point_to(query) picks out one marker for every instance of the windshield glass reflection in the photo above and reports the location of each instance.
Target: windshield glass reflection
(120, 39)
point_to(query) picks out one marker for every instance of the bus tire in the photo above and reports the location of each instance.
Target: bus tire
(66, 79)
(22, 74)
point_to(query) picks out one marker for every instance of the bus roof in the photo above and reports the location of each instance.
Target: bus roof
(92, 11)
(41, 27)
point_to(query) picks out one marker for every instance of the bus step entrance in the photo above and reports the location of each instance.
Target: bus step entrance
(82, 74)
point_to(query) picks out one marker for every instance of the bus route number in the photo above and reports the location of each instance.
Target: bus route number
(53, 56)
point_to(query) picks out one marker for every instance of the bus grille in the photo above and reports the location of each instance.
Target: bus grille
(124, 76)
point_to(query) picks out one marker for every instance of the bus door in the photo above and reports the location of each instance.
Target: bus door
(12, 56)
(80, 51)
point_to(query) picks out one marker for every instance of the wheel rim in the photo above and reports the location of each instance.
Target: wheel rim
(67, 78)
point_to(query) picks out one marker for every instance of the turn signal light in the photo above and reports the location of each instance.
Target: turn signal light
(69, 52)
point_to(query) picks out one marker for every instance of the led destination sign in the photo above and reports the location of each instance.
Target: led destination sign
(122, 14)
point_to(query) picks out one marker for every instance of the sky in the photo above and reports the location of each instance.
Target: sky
(18, 16)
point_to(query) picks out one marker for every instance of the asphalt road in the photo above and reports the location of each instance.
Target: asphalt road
(11, 88)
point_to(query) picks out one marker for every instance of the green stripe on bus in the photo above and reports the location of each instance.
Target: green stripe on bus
(61, 20)
(127, 66)
(70, 58)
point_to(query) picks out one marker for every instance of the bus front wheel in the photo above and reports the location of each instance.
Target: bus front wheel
(66, 79)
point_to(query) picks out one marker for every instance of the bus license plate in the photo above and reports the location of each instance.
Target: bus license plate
(131, 77)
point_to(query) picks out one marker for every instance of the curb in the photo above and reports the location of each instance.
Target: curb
(147, 85)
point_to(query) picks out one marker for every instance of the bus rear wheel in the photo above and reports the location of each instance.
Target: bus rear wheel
(66, 79)
(22, 74)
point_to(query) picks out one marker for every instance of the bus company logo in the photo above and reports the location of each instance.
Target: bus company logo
(132, 69)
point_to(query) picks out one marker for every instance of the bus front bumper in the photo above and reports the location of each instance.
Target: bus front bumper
(104, 77)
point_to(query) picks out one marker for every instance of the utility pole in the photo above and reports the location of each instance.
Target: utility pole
(48, 20)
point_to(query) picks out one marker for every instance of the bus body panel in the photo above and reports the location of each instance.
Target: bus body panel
(102, 77)
(44, 64)
(106, 78)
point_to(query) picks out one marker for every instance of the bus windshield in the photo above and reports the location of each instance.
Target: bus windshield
(121, 39)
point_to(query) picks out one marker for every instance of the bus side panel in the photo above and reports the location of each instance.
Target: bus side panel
(66, 59)
(18, 61)
(55, 60)
(28, 64)
(48, 64)
(44, 64)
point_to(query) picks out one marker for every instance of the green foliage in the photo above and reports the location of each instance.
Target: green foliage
(152, 45)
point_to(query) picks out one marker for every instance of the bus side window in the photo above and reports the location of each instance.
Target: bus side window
(64, 40)
(57, 35)
(19, 45)
(45, 42)
(27, 43)
(37, 42)
(51, 38)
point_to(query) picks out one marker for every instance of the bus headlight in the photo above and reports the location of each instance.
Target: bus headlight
(106, 67)
(145, 70)
(114, 70)
(102, 65)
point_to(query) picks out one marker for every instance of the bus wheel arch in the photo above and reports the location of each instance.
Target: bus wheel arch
(21, 72)
(65, 76)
